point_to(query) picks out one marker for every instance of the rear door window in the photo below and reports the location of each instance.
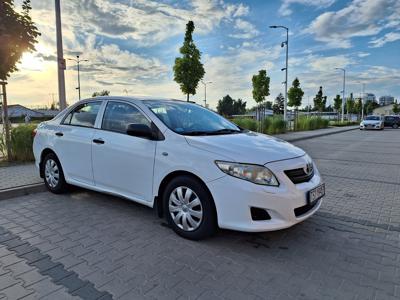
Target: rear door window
(83, 115)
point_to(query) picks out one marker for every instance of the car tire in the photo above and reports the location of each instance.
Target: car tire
(189, 208)
(53, 174)
(395, 126)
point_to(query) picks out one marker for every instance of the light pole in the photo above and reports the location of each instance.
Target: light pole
(78, 61)
(205, 91)
(344, 93)
(362, 101)
(60, 58)
(286, 69)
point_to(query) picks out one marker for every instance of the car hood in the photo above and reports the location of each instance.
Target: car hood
(248, 147)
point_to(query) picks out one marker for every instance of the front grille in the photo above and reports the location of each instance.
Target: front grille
(302, 210)
(299, 175)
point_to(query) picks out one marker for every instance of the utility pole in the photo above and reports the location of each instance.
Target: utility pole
(344, 93)
(6, 122)
(78, 61)
(60, 58)
(362, 101)
(286, 68)
(205, 91)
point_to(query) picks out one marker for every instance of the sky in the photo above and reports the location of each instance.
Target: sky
(131, 46)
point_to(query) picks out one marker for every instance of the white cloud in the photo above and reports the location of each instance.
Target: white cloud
(244, 30)
(387, 38)
(285, 9)
(359, 18)
(329, 63)
(363, 54)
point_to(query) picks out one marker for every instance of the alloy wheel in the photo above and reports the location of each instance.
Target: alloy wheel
(52, 173)
(185, 208)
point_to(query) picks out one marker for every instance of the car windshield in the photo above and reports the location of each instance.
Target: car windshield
(373, 118)
(190, 119)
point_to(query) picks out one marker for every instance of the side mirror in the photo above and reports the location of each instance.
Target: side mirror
(140, 130)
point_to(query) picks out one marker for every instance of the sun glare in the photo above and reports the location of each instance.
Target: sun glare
(32, 63)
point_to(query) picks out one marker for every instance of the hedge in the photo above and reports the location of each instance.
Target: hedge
(22, 142)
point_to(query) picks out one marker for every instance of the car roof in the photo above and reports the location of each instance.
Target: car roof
(133, 99)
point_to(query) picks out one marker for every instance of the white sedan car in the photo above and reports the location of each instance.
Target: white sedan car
(372, 122)
(193, 166)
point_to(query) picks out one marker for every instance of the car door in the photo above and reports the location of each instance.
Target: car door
(73, 142)
(123, 164)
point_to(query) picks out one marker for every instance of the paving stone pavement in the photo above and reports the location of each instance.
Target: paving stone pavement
(18, 175)
(350, 249)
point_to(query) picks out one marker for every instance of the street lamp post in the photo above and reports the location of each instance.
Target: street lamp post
(344, 93)
(60, 58)
(362, 101)
(78, 61)
(286, 69)
(205, 91)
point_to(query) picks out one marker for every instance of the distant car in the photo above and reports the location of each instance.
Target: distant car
(392, 121)
(193, 166)
(372, 122)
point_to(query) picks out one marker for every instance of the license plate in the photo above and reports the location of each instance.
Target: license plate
(316, 193)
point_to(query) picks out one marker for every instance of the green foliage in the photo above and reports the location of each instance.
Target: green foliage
(370, 106)
(278, 105)
(344, 123)
(102, 93)
(320, 100)
(21, 143)
(188, 69)
(274, 125)
(3, 147)
(246, 123)
(228, 106)
(311, 123)
(350, 105)
(260, 86)
(337, 103)
(295, 94)
(18, 34)
(396, 108)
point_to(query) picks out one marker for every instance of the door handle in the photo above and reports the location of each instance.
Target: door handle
(98, 141)
(59, 134)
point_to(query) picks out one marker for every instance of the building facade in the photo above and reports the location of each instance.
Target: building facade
(386, 100)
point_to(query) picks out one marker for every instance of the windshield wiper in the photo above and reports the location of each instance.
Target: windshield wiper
(214, 132)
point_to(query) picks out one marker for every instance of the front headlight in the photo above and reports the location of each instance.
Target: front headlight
(253, 173)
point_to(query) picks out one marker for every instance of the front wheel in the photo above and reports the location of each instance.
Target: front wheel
(189, 208)
(53, 174)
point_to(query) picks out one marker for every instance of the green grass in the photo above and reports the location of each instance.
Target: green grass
(21, 143)
(270, 125)
(246, 123)
(344, 123)
(304, 123)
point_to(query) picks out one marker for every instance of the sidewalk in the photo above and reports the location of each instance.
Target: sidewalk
(26, 176)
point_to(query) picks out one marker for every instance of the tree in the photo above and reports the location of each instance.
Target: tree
(337, 103)
(102, 93)
(239, 107)
(188, 69)
(320, 100)
(350, 105)
(396, 108)
(358, 106)
(18, 34)
(370, 106)
(279, 104)
(295, 94)
(228, 106)
(260, 86)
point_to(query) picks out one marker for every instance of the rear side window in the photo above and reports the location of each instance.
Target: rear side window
(83, 115)
(119, 115)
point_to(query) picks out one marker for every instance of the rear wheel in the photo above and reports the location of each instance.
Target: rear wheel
(53, 174)
(395, 126)
(189, 208)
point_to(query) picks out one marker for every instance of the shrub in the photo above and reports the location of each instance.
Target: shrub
(274, 125)
(246, 123)
(21, 143)
(311, 123)
(344, 123)
(3, 148)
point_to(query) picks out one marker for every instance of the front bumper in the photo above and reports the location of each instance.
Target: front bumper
(234, 197)
(371, 127)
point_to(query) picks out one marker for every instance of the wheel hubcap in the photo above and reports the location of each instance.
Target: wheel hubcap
(51, 173)
(185, 208)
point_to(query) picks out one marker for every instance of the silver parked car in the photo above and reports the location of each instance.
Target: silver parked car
(372, 122)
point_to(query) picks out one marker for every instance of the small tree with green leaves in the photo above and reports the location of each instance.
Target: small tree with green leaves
(279, 104)
(102, 93)
(18, 34)
(396, 108)
(320, 100)
(260, 86)
(337, 103)
(188, 69)
(295, 94)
